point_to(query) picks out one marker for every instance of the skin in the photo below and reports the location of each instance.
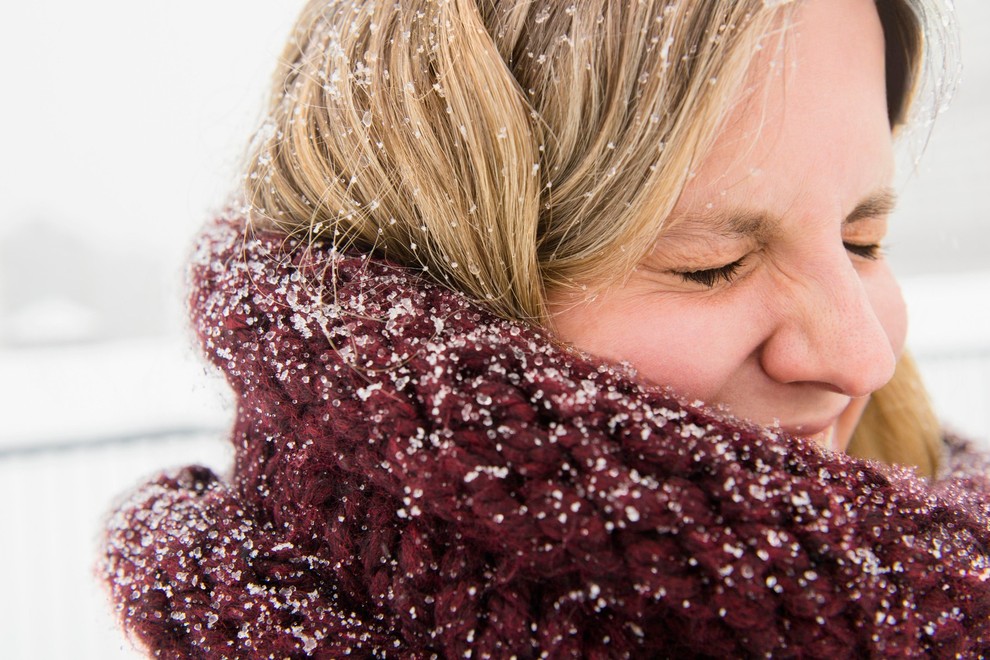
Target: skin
(766, 294)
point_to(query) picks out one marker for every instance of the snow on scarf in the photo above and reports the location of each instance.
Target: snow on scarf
(415, 477)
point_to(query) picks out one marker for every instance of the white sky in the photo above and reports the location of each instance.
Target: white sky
(125, 119)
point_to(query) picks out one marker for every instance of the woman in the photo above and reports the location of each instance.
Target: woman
(549, 326)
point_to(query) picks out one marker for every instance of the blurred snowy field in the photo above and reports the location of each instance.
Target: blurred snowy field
(122, 128)
(82, 425)
(54, 506)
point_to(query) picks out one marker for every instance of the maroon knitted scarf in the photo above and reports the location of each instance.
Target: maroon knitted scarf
(415, 477)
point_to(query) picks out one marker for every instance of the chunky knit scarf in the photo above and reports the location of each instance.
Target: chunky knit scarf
(414, 477)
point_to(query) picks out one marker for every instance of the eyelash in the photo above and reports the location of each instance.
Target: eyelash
(709, 277)
(712, 276)
(873, 251)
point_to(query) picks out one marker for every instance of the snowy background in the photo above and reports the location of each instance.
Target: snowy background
(122, 127)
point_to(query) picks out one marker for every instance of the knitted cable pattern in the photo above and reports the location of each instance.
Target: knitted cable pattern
(414, 477)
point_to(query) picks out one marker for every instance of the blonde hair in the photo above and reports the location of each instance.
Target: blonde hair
(899, 425)
(509, 149)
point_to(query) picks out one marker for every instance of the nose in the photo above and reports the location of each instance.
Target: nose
(827, 329)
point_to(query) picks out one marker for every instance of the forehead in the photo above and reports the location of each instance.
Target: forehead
(810, 127)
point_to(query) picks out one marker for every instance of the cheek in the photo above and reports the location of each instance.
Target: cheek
(888, 304)
(689, 348)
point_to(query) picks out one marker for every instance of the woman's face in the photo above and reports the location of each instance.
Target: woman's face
(768, 295)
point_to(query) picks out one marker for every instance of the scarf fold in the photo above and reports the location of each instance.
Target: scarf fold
(416, 477)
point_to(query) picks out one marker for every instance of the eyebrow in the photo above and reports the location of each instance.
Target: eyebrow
(762, 225)
(880, 203)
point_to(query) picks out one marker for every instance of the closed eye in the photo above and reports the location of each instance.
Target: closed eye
(872, 251)
(709, 277)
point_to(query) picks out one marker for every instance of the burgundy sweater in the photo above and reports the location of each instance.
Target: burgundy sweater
(416, 477)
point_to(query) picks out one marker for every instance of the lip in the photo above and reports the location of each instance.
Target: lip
(822, 433)
(808, 429)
